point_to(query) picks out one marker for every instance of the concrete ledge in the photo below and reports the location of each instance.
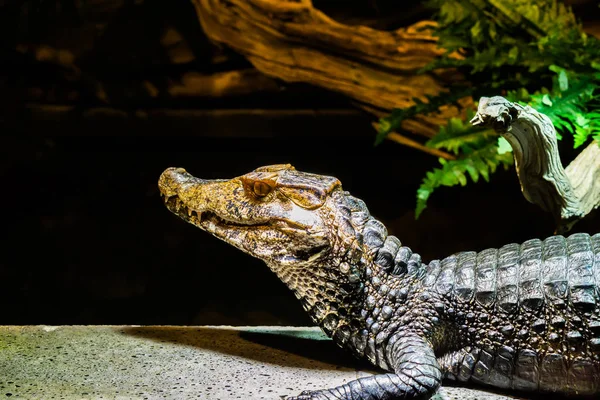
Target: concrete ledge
(160, 362)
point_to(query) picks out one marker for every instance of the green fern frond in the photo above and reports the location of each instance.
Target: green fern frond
(393, 121)
(494, 33)
(568, 105)
(536, 53)
(503, 146)
(459, 136)
(479, 163)
(587, 127)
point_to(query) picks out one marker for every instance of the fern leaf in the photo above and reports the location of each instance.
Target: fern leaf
(460, 136)
(399, 115)
(481, 162)
(503, 146)
(537, 53)
(567, 106)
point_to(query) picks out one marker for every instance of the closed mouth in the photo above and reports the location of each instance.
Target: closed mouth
(200, 218)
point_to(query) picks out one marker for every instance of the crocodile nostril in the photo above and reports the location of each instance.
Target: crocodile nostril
(171, 179)
(172, 172)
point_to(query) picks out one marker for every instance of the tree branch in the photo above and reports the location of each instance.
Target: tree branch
(293, 41)
(568, 195)
(403, 140)
(584, 174)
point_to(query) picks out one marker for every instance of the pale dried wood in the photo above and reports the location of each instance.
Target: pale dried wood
(584, 174)
(293, 41)
(569, 195)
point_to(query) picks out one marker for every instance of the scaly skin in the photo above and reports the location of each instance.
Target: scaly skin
(523, 317)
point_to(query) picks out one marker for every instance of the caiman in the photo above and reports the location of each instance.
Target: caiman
(524, 317)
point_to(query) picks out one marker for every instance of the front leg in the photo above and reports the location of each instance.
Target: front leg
(417, 376)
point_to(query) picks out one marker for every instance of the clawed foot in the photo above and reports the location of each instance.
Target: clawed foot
(305, 395)
(314, 395)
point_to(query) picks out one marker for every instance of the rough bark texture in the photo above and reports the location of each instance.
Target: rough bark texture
(584, 174)
(137, 54)
(293, 41)
(568, 195)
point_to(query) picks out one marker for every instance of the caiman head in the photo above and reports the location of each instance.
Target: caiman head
(274, 213)
(311, 233)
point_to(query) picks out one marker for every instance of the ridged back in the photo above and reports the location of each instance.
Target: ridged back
(556, 270)
(528, 315)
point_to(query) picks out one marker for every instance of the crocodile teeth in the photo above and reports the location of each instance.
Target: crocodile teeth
(190, 212)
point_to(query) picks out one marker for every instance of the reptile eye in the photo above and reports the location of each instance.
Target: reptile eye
(261, 189)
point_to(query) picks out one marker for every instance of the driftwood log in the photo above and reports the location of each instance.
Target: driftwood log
(568, 194)
(293, 41)
(118, 53)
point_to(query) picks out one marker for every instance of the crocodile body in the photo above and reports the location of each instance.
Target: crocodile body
(523, 317)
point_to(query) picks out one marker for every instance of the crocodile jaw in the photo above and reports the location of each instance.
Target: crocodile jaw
(285, 235)
(204, 219)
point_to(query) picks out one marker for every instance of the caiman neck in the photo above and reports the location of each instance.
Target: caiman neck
(333, 289)
(331, 292)
(344, 290)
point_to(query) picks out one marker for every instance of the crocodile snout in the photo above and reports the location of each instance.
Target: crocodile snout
(175, 180)
(171, 180)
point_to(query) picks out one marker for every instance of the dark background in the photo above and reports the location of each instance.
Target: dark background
(87, 240)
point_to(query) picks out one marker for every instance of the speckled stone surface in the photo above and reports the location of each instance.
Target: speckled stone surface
(154, 362)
